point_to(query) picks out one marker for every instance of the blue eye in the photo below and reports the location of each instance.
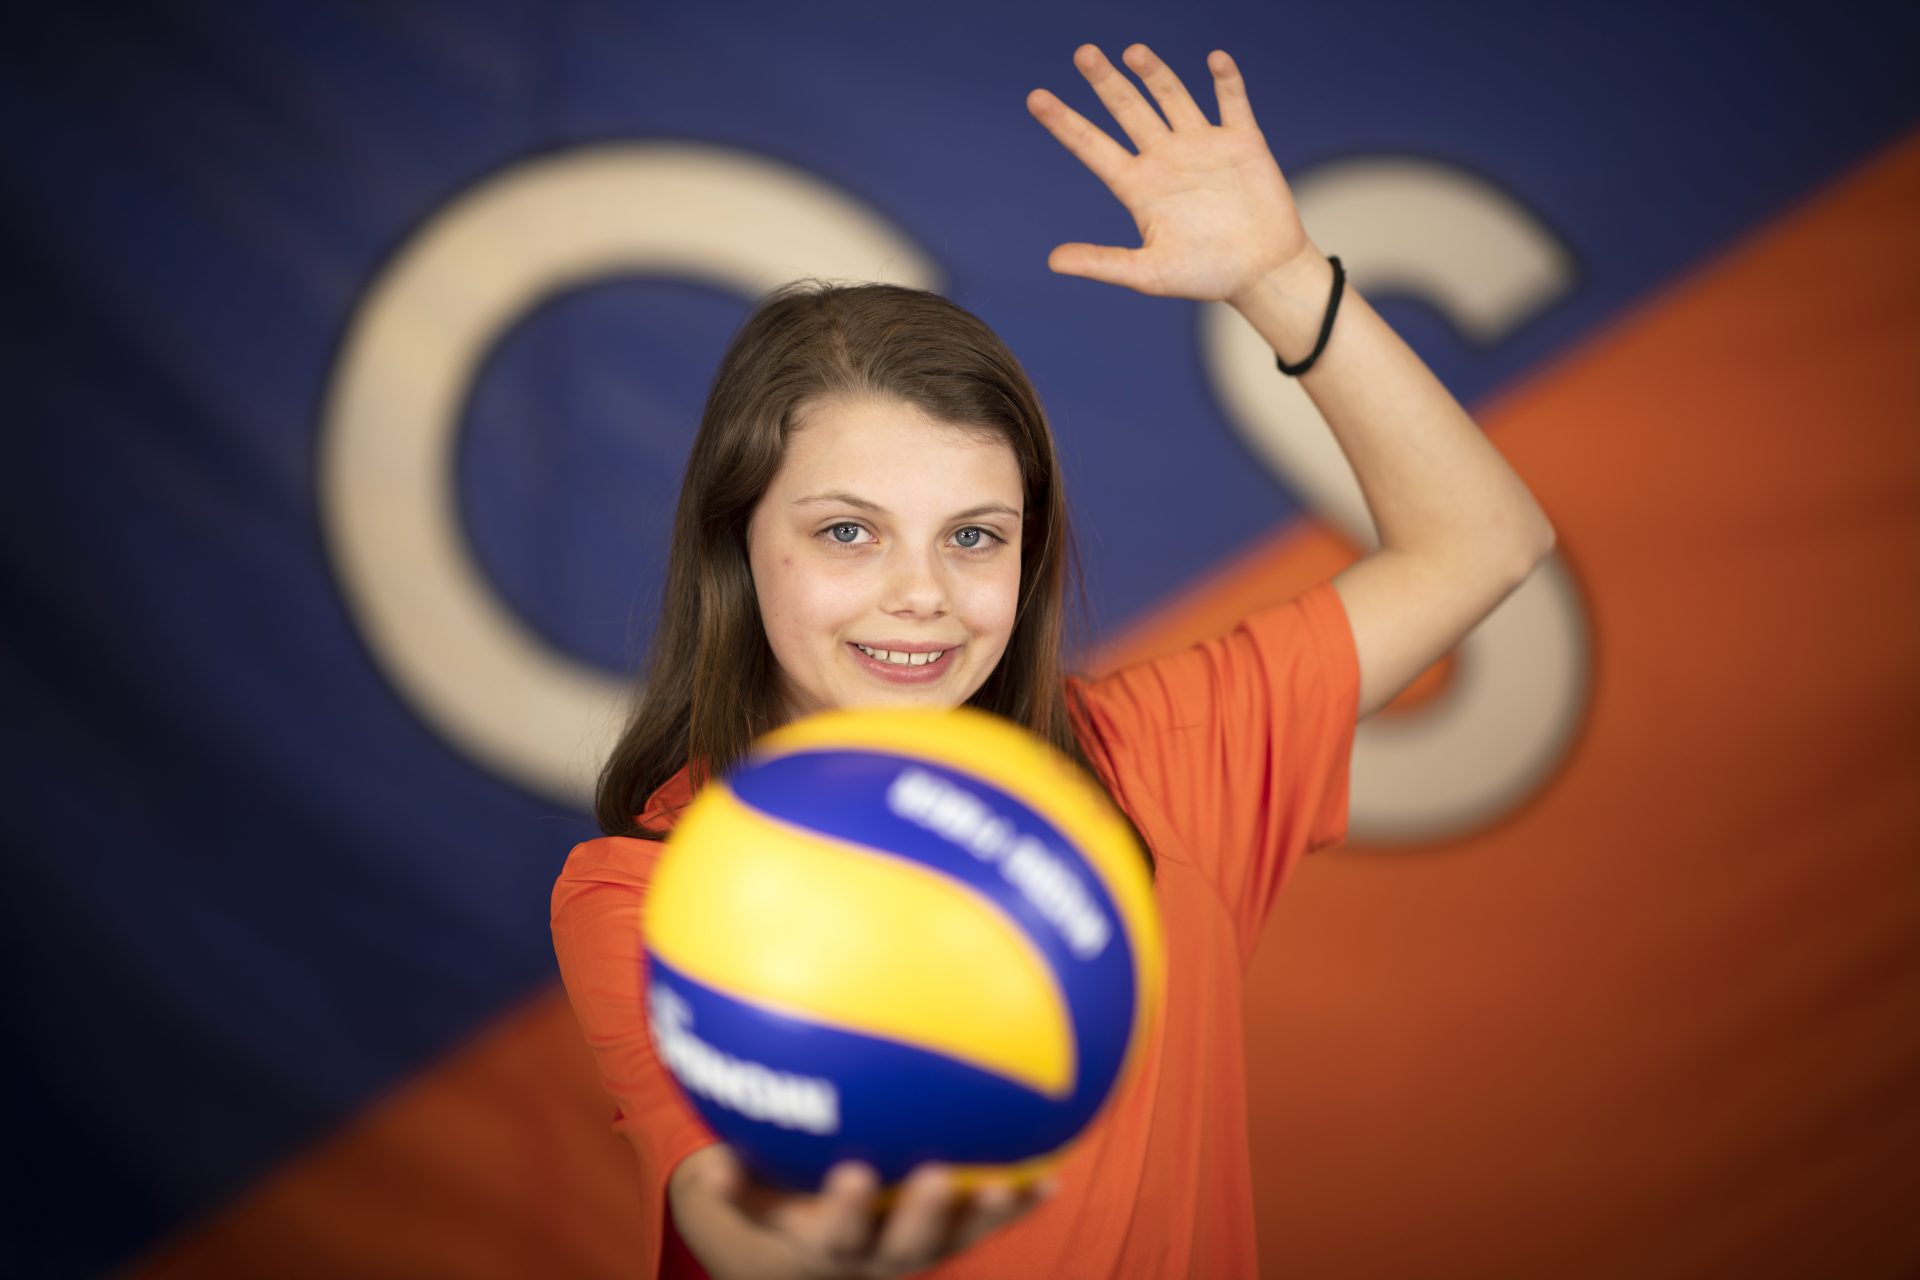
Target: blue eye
(975, 538)
(972, 538)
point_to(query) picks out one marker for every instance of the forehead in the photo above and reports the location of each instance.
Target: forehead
(881, 447)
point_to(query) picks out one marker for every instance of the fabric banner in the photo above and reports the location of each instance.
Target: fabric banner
(356, 352)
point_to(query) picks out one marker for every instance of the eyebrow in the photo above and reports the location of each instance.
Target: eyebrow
(848, 499)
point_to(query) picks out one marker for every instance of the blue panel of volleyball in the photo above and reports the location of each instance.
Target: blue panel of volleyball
(900, 936)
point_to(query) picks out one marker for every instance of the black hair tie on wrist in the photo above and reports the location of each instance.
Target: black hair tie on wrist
(1326, 325)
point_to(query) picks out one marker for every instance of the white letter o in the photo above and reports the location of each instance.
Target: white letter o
(460, 658)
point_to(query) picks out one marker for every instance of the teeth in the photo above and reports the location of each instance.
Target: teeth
(900, 659)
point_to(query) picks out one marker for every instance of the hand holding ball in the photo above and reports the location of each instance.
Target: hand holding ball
(900, 936)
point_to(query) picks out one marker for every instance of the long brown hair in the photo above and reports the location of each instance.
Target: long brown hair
(708, 689)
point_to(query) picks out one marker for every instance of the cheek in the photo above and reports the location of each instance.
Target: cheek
(994, 599)
(798, 599)
(773, 583)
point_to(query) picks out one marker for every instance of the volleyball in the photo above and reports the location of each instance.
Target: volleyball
(901, 935)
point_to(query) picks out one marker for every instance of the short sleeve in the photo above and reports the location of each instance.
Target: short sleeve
(596, 910)
(1235, 754)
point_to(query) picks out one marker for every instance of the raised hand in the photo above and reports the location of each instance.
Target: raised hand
(1214, 213)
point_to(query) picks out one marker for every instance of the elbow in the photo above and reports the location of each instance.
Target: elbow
(1513, 550)
(1525, 549)
(1543, 541)
(1538, 547)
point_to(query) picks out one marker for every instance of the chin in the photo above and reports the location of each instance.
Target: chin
(902, 698)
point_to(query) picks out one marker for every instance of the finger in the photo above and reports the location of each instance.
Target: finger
(845, 1226)
(1088, 142)
(1181, 110)
(1235, 111)
(992, 1207)
(1141, 122)
(1106, 263)
(724, 1174)
(920, 1223)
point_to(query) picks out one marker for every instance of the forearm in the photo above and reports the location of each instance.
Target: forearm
(1432, 480)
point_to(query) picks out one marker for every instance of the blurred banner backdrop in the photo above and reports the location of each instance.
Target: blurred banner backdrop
(354, 352)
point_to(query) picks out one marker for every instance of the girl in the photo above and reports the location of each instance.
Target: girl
(871, 515)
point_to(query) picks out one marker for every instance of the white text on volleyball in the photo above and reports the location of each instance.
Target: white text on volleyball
(807, 1103)
(1026, 863)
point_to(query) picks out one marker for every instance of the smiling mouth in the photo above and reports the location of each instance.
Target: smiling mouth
(894, 657)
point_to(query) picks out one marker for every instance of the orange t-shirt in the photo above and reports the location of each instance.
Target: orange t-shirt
(1232, 759)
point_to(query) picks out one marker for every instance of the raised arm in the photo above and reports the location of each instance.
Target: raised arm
(1458, 528)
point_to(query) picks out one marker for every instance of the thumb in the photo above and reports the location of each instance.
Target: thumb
(1106, 263)
(725, 1177)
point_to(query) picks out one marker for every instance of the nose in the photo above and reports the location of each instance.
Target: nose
(916, 585)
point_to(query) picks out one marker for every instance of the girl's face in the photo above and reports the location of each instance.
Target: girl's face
(886, 531)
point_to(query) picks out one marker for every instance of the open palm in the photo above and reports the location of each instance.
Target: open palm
(1213, 210)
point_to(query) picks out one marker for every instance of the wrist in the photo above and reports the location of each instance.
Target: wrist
(1292, 307)
(1301, 283)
